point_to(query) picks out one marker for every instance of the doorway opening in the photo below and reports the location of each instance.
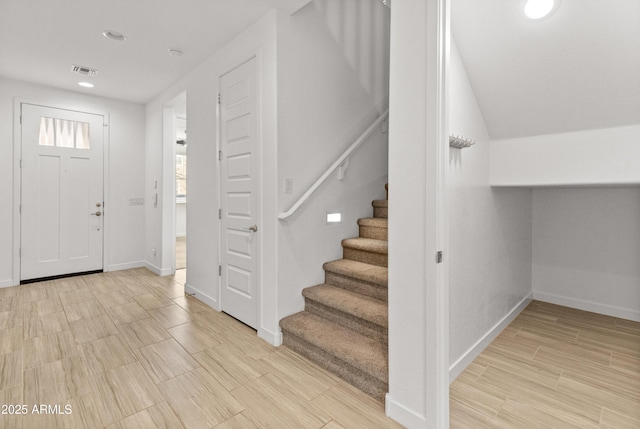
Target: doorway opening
(181, 193)
(174, 189)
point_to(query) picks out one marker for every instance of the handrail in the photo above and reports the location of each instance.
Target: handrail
(345, 156)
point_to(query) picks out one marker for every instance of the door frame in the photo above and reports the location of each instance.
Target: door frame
(17, 178)
(258, 152)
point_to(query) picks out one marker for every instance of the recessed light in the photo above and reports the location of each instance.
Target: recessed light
(86, 84)
(175, 52)
(538, 9)
(114, 35)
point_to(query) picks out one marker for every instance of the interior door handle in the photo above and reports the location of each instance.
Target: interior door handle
(253, 228)
(98, 213)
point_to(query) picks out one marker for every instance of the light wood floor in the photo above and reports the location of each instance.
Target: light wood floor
(553, 367)
(181, 253)
(129, 350)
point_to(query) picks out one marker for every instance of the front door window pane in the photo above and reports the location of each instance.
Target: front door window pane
(82, 135)
(47, 132)
(64, 133)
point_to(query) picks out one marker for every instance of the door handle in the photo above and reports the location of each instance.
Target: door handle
(253, 228)
(98, 213)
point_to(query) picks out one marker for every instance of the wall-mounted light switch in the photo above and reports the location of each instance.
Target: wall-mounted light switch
(288, 185)
(136, 201)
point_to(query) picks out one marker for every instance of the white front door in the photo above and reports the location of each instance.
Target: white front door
(62, 192)
(240, 231)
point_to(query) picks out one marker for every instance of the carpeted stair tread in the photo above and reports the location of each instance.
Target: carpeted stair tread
(380, 208)
(373, 227)
(354, 304)
(367, 250)
(358, 270)
(376, 222)
(367, 245)
(365, 354)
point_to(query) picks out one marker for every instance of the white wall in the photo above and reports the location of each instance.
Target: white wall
(586, 249)
(608, 156)
(490, 234)
(333, 58)
(125, 174)
(181, 220)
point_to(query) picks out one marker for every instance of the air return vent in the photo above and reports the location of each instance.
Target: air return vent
(87, 71)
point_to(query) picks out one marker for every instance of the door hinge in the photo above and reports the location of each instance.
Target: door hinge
(219, 213)
(219, 270)
(219, 155)
(20, 163)
(219, 98)
(20, 119)
(439, 257)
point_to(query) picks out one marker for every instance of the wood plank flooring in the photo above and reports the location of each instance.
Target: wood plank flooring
(181, 253)
(553, 367)
(128, 350)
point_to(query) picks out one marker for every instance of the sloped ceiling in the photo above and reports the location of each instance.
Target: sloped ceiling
(577, 69)
(41, 39)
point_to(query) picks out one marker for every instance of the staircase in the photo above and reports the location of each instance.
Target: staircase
(343, 327)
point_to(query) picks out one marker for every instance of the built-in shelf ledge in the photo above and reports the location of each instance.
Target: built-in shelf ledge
(606, 157)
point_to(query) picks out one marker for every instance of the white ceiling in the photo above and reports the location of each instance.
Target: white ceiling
(577, 69)
(41, 39)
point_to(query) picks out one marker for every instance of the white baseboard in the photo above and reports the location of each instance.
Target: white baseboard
(594, 307)
(126, 266)
(166, 272)
(149, 266)
(7, 283)
(402, 414)
(201, 296)
(159, 271)
(458, 366)
(273, 338)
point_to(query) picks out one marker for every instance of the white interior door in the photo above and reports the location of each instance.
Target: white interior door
(238, 189)
(62, 192)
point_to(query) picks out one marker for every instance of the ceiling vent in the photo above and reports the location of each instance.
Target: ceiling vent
(87, 71)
